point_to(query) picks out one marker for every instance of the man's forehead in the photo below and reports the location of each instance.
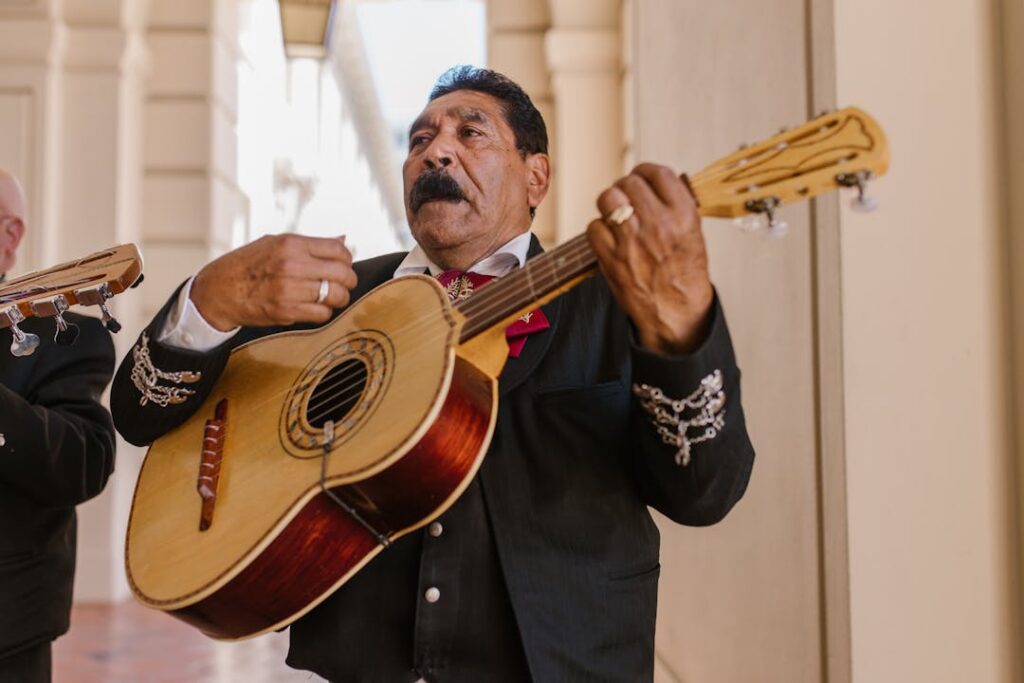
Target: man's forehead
(462, 105)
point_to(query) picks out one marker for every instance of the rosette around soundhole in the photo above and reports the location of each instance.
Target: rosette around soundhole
(344, 383)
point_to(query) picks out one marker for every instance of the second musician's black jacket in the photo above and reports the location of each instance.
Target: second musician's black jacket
(58, 451)
(567, 481)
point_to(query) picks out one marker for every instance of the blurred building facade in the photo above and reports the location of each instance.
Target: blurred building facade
(880, 537)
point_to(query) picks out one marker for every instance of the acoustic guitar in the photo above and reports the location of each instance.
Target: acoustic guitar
(89, 281)
(318, 448)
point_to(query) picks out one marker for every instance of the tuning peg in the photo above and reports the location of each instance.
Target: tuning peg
(862, 203)
(24, 343)
(56, 306)
(109, 320)
(98, 296)
(765, 206)
(67, 333)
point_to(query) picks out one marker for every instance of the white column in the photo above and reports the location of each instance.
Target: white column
(31, 47)
(515, 32)
(191, 200)
(98, 173)
(584, 57)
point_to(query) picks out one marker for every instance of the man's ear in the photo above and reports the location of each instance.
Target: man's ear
(538, 167)
(11, 231)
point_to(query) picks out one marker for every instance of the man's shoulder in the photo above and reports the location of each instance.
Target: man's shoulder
(385, 263)
(375, 271)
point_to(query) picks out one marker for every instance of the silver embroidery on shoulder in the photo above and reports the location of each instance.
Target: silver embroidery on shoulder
(702, 411)
(146, 378)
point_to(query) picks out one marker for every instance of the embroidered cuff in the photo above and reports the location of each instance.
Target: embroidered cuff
(687, 421)
(146, 377)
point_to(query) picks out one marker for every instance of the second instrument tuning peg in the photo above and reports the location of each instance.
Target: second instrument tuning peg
(98, 296)
(55, 307)
(24, 343)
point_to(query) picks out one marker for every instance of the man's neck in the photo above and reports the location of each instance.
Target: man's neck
(463, 256)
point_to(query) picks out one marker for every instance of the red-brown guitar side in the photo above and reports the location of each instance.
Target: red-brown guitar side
(323, 543)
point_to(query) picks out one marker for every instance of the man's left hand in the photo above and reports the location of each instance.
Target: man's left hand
(655, 262)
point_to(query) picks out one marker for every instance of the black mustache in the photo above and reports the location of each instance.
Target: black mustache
(431, 185)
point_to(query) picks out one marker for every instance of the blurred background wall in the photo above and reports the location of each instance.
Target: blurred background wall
(879, 539)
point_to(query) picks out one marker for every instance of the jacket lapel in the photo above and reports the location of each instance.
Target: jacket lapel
(518, 369)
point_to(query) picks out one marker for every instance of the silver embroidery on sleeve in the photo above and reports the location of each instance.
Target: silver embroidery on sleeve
(146, 378)
(702, 411)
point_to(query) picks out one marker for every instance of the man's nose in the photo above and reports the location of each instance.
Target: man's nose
(438, 155)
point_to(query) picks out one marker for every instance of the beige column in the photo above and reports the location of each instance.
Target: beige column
(70, 98)
(32, 41)
(742, 601)
(100, 176)
(933, 573)
(584, 57)
(515, 33)
(191, 200)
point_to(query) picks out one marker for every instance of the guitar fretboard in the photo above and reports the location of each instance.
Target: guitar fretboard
(527, 285)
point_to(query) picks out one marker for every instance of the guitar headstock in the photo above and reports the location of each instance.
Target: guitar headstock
(88, 281)
(845, 148)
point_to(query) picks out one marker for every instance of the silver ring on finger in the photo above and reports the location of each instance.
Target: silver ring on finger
(620, 215)
(325, 289)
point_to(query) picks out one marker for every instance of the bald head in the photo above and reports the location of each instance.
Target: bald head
(12, 218)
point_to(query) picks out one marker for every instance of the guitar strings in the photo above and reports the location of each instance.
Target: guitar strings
(477, 308)
(500, 301)
(546, 274)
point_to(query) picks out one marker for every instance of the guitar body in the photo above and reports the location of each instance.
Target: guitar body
(413, 414)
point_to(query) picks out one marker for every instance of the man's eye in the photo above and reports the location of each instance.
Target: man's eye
(470, 132)
(417, 140)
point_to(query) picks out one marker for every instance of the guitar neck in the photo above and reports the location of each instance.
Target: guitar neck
(540, 280)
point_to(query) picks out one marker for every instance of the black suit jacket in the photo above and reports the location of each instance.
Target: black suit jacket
(58, 452)
(571, 471)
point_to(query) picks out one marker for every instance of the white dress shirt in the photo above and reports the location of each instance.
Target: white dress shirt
(186, 328)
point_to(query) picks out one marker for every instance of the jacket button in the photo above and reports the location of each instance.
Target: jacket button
(435, 529)
(433, 594)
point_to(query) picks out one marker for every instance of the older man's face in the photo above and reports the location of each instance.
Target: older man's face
(467, 187)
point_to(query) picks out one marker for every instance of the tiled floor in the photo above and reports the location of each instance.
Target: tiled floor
(128, 643)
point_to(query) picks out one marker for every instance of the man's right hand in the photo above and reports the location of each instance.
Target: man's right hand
(274, 281)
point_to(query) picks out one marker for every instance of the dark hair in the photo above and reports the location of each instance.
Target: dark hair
(521, 116)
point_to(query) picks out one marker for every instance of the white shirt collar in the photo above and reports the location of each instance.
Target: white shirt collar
(509, 256)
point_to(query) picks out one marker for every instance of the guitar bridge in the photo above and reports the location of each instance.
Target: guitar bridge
(210, 461)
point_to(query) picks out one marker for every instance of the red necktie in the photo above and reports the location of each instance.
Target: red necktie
(460, 285)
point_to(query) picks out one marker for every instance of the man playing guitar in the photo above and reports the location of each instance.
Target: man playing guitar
(626, 396)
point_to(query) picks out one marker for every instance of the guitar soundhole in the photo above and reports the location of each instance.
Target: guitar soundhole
(337, 393)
